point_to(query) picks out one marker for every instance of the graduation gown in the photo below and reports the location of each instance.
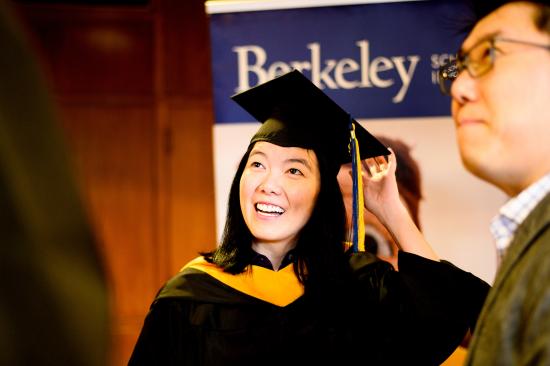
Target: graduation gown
(416, 316)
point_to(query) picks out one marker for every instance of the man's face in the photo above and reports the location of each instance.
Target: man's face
(502, 117)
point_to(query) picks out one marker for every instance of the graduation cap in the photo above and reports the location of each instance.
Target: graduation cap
(295, 113)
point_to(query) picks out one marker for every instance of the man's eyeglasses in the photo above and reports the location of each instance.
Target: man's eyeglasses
(478, 61)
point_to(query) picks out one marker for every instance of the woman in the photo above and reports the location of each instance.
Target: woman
(282, 288)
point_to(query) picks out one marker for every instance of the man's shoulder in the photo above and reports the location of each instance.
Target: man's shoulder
(535, 229)
(540, 214)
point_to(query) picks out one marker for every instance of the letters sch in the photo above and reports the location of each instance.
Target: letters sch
(346, 73)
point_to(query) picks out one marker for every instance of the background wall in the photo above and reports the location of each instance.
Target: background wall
(457, 207)
(133, 88)
(352, 52)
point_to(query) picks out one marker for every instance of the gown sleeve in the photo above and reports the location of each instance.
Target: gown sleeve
(422, 312)
(458, 290)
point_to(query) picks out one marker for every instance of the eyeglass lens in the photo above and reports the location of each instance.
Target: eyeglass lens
(477, 61)
(447, 74)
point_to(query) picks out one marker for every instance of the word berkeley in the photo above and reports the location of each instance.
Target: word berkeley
(346, 73)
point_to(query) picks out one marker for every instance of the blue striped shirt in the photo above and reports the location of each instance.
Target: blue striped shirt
(513, 213)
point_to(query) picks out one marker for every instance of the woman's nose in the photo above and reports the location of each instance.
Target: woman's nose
(270, 184)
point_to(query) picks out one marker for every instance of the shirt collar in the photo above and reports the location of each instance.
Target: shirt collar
(262, 261)
(515, 211)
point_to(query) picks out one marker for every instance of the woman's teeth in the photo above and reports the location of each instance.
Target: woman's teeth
(269, 209)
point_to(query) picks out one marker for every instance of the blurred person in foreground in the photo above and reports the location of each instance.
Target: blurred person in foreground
(500, 88)
(53, 302)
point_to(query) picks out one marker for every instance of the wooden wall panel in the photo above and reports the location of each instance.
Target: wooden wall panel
(86, 55)
(95, 51)
(185, 40)
(192, 198)
(114, 152)
(186, 83)
(114, 148)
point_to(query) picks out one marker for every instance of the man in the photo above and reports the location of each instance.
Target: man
(501, 108)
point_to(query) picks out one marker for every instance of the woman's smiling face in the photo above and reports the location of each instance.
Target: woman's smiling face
(278, 191)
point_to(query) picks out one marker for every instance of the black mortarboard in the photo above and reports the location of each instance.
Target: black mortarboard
(295, 113)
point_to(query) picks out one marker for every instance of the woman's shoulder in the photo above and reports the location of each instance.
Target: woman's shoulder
(191, 282)
(205, 282)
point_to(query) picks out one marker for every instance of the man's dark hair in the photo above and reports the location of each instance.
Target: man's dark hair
(319, 252)
(481, 8)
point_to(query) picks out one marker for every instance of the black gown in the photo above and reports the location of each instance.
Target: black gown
(416, 316)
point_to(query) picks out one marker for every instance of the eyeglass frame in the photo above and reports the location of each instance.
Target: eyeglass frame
(450, 70)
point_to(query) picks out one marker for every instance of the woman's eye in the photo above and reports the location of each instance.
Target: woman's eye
(295, 171)
(256, 164)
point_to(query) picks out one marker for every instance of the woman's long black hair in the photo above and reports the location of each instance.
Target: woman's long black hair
(319, 251)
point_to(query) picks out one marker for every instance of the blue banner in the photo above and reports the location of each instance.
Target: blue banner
(376, 60)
